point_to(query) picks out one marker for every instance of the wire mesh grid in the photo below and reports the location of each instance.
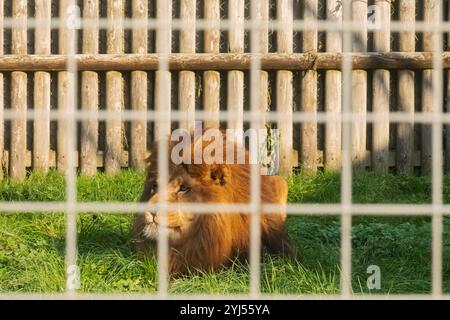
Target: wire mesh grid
(346, 209)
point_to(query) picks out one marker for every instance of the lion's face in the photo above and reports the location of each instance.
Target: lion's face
(182, 188)
(207, 241)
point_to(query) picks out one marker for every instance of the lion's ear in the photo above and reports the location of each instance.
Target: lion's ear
(219, 174)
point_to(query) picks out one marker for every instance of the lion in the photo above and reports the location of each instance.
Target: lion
(209, 241)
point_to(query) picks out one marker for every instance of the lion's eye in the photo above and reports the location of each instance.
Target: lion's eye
(184, 188)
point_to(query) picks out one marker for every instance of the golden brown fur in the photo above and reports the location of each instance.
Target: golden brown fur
(210, 241)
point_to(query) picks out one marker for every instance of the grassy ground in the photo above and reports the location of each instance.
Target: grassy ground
(32, 245)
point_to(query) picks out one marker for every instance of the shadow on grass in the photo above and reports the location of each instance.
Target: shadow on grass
(106, 259)
(33, 246)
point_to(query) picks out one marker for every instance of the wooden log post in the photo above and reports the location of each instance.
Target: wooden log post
(114, 88)
(138, 147)
(405, 130)
(19, 94)
(359, 89)
(211, 79)
(447, 107)
(2, 106)
(308, 130)
(380, 90)
(225, 61)
(186, 80)
(163, 76)
(333, 92)
(262, 17)
(235, 85)
(41, 129)
(427, 94)
(89, 93)
(65, 42)
(284, 86)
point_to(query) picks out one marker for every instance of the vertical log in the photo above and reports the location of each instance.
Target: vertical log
(262, 16)
(19, 94)
(89, 94)
(138, 148)
(235, 86)
(211, 79)
(187, 78)
(359, 89)
(447, 107)
(380, 146)
(2, 107)
(308, 130)
(284, 86)
(163, 77)
(66, 39)
(405, 131)
(114, 88)
(333, 92)
(41, 130)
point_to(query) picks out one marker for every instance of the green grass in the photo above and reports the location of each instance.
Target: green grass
(32, 245)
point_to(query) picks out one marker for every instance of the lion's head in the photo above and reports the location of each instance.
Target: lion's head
(207, 240)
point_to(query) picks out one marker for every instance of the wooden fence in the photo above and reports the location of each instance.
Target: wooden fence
(209, 71)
